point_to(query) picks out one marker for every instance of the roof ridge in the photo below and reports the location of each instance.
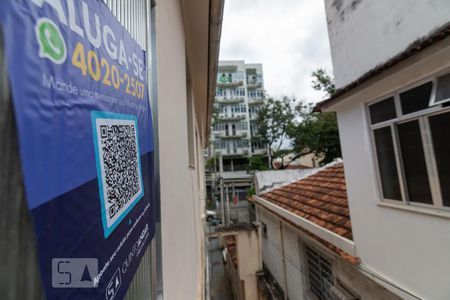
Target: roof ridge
(336, 162)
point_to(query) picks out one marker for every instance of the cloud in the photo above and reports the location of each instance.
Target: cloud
(289, 37)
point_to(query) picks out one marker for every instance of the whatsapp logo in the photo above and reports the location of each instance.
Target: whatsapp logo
(51, 42)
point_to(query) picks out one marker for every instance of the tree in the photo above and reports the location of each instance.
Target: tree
(316, 132)
(323, 82)
(257, 163)
(274, 120)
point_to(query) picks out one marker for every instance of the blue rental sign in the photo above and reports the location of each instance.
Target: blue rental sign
(80, 98)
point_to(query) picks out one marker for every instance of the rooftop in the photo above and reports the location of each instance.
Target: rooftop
(320, 198)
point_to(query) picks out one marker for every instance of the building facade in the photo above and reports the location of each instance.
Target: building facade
(234, 137)
(177, 38)
(393, 78)
(239, 96)
(307, 242)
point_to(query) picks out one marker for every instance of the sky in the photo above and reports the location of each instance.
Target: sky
(289, 37)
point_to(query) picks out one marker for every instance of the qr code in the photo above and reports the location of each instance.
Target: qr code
(118, 166)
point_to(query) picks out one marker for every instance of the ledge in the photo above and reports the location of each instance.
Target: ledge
(435, 212)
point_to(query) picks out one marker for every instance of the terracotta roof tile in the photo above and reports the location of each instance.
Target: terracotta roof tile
(320, 198)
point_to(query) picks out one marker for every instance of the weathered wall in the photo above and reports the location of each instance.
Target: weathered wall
(272, 256)
(182, 249)
(408, 248)
(366, 33)
(296, 267)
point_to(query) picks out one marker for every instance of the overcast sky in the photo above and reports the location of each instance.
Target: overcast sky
(289, 37)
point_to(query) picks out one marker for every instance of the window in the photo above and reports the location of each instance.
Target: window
(439, 125)
(320, 275)
(382, 111)
(442, 90)
(387, 165)
(411, 144)
(321, 279)
(416, 99)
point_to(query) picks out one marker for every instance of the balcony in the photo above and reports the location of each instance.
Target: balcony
(253, 116)
(234, 151)
(260, 151)
(229, 100)
(256, 101)
(232, 83)
(238, 134)
(231, 117)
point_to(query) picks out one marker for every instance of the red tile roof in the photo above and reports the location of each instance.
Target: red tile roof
(321, 199)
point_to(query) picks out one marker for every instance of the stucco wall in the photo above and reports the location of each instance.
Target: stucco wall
(409, 249)
(272, 256)
(366, 33)
(296, 268)
(181, 190)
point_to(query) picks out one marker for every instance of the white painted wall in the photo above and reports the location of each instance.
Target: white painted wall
(272, 255)
(182, 187)
(296, 268)
(366, 33)
(409, 249)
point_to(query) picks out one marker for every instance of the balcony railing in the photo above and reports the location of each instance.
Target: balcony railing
(231, 116)
(259, 151)
(234, 99)
(256, 100)
(231, 135)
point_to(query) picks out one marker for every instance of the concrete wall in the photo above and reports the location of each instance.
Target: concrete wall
(273, 258)
(249, 262)
(296, 269)
(182, 186)
(382, 28)
(408, 247)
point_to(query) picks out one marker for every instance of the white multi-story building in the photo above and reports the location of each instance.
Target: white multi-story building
(234, 136)
(239, 96)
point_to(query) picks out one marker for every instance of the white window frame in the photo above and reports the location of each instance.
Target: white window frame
(423, 117)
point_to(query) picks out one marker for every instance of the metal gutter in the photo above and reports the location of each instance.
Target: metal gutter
(215, 31)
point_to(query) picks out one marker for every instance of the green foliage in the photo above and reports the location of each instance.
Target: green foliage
(274, 119)
(323, 82)
(257, 163)
(315, 133)
(251, 191)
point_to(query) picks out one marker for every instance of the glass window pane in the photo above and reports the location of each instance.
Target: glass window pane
(387, 163)
(416, 99)
(443, 88)
(382, 111)
(414, 162)
(440, 126)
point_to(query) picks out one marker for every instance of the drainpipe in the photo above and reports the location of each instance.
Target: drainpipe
(228, 205)
(222, 206)
(283, 258)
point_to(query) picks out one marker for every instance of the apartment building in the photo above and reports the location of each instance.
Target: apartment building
(239, 95)
(391, 62)
(234, 137)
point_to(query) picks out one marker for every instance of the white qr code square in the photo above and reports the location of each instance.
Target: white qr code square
(118, 166)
